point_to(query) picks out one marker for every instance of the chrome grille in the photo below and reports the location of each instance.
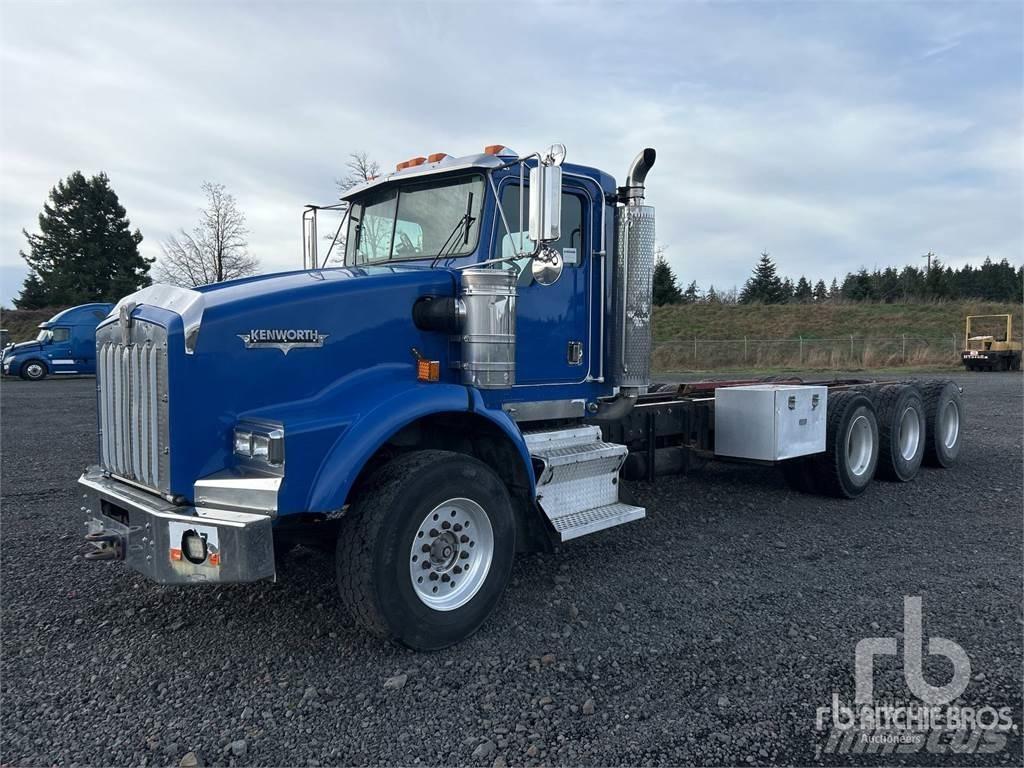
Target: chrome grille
(132, 393)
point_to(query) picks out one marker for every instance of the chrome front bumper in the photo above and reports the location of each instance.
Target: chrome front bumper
(146, 532)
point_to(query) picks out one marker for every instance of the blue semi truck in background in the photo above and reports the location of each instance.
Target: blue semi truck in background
(66, 344)
(471, 381)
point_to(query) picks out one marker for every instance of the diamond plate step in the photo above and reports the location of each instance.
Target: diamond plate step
(578, 488)
(597, 519)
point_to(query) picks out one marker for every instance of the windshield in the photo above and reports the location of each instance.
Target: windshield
(415, 221)
(44, 335)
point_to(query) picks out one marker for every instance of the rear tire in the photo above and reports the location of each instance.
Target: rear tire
(848, 465)
(405, 552)
(902, 431)
(944, 416)
(34, 370)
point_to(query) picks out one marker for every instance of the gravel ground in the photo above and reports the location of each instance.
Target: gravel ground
(708, 633)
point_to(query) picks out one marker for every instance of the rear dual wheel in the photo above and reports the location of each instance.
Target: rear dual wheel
(944, 421)
(902, 431)
(427, 548)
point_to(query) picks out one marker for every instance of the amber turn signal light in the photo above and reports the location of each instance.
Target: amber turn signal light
(428, 370)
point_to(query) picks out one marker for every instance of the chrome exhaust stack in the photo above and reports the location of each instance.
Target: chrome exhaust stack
(633, 192)
(632, 288)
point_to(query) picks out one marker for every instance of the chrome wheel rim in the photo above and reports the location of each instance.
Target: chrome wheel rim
(860, 444)
(950, 424)
(451, 554)
(909, 433)
(34, 370)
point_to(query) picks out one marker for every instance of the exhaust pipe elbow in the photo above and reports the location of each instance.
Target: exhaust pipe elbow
(633, 192)
(615, 408)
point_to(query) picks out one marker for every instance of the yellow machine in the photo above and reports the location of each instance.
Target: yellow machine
(986, 352)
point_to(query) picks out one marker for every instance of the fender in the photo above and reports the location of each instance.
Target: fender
(330, 438)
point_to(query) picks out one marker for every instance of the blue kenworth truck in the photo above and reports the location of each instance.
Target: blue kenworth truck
(470, 381)
(66, 344)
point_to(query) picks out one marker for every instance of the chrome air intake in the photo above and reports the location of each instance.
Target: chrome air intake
(489, 328)
(633, 281)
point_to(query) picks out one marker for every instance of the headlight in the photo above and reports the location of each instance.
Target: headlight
(261, 447)
(265, 446)
(243, 443)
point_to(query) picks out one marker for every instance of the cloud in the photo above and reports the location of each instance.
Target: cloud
(832, 135)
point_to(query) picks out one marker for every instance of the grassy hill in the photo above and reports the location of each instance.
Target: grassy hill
(801, 336)
(827, 321)
(23, 323)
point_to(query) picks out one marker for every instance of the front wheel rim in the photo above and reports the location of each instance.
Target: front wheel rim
(860, 443)
(34, 370)
(909, 433)
(451, 554)
(950, 424)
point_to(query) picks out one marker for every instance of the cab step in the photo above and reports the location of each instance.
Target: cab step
(578, 488)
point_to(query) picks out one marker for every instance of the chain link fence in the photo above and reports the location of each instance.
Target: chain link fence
(843, 353)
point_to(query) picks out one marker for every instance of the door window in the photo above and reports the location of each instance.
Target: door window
(570, 244)
(61, 334)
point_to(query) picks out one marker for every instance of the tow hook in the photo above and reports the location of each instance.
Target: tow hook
(108, 546)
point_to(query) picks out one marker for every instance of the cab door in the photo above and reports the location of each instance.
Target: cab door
(59, 353)
(553, 321)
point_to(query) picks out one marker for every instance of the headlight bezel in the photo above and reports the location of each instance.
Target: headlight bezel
(259, 444)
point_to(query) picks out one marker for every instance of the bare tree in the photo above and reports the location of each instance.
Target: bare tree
(215, 250)
(359, 170)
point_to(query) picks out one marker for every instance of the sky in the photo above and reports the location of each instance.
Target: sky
(834, 135)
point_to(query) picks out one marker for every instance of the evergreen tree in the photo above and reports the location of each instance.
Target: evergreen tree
(820, 292)
(858, 286)
(936, 282)
(665, 288)
(692, 293)
(764, 284)
(788, 291)
(85, 250)
(711, 297)
(833, 291)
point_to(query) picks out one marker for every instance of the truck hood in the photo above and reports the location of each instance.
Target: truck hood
(259, 347)
(21, 347)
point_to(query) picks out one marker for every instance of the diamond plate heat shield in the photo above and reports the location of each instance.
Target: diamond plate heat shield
(634, 276)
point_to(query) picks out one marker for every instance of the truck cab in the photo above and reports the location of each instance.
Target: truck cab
(66, 344)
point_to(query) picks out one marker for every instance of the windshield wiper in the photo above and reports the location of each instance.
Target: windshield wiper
(464, 224)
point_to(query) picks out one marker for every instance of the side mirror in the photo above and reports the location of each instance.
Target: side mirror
(545, 203)
(546, 266)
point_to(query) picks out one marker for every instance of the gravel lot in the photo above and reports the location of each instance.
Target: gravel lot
(708, 633)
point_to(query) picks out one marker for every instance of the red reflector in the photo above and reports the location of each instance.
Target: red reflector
(493, 149)
(436, 157)
(175, 554)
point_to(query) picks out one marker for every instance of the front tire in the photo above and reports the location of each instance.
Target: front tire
(426, 551)
(34, 370)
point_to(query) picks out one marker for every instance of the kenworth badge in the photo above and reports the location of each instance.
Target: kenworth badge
(285, 340)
